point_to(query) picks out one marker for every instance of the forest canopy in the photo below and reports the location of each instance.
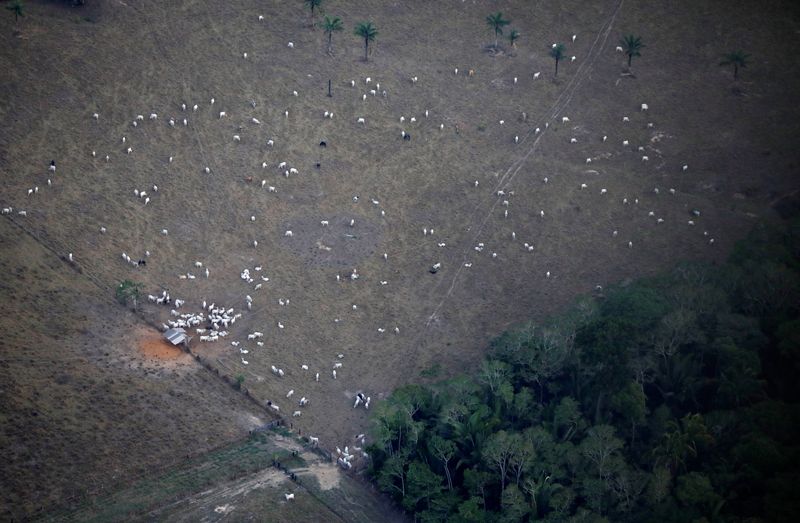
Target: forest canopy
(666, 399)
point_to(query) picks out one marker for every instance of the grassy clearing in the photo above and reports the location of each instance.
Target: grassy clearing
(226, 464)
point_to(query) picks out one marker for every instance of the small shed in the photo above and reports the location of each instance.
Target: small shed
(176, 336)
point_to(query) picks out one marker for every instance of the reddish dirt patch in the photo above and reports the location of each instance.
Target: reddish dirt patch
(159, 350)
(153, 347)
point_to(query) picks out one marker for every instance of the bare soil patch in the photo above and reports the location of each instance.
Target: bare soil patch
(154, 348)
(328, 475)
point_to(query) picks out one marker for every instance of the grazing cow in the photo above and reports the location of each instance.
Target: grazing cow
(407, 137)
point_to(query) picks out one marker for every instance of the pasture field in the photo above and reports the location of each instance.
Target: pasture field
(90, 399)
(237, 481)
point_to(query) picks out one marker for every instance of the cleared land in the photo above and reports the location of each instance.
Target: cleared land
(81, 400)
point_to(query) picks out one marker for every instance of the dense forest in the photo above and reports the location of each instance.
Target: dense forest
(669, 399)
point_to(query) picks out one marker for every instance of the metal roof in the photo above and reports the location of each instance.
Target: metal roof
(175, 336)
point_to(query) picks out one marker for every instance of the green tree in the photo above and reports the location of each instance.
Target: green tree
(368, 32)
(497, 453)
(737, 59)
(557, 51)
(630, 404)
(536, 487)
(513, 36)
(443, 450)
(475, 481)
(129, 290)
(332, 25)
(239, 381)
(423, 484)
(524, 408)
(392, 476)
(471, 428)
(695, 489)
(394, 426)
(537, 354)
(493, 373)
(513, 504)
(632, 46)
(470, 511)
(522, 456)
(627, 485)
(680, 442)
(567, 419)
(561, 502)
(313, 4)
(600, 446)
(16, 7)
(738, 374)
(659, 485)
(496, 22)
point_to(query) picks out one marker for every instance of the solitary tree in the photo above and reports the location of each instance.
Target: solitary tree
(557, 52)
(368, 32)
(632, 45)
(497, 22)
(513, 36)
(312, 4)
(736, 58)
(16, 8)
(331, 25)
(129, 290)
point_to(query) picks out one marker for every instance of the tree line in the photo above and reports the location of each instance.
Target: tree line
(669, 399)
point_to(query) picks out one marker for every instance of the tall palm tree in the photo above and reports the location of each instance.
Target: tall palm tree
(737, 59)
(557, 52)
(16, 8)
(331, 25)
(632, 45)
(513, 36)
(368, 32)
(313, 4)
(497, 22)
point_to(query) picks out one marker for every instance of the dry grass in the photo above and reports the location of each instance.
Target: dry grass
(134, 58)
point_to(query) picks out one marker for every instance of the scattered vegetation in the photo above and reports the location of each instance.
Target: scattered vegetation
(313, 4)
(632, 46)
(557, 51)
(432, 371)
(496, 22)
(129, 291)
(513, 36)
(368, 32)
(331, 25)
(671, 399)
(17, 8)
(737, 59)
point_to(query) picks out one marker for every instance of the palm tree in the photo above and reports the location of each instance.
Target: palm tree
(632, 45)
(496, 22)
(368, 32)
(16, 8)
(331, 25)
(312, 4)
(557, 52)
(513, 36)
(737, 59)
